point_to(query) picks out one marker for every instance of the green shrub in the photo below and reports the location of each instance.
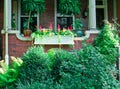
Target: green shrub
(96, 73)
(106, 41)
(57, 58)
(35, 65)
(60, 69)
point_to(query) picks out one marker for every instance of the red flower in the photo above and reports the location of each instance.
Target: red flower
(70, 28)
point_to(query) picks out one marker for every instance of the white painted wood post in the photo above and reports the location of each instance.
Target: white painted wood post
(7, 26)
(55, 15)
(92, 15)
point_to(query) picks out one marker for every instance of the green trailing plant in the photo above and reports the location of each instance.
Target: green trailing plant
(54, 37)
(40, 33)
(107, 41)
(69, 7)
(9, 73)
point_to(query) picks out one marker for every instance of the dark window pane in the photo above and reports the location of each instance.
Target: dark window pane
(64, 22)
(99, 2)
(99, 17)
(33, 24)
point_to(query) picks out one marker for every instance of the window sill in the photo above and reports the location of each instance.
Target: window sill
(17, 33)
(23, 38)
(87, 35)
(10, 31)
(63, 40)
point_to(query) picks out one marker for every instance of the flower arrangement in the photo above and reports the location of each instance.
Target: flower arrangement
(40, 32)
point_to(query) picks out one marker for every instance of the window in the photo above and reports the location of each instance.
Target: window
(23, 18)
(1, 6)
(101, 12)
(65, 21)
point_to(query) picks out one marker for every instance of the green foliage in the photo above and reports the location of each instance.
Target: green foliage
(57, 58)
(106, 41)
(33, 6)
(69, 6)
(60, 69)
(35, 65)
(96, 73)
(9, 73)
(47, 32)
(13, 21)
(78, 24)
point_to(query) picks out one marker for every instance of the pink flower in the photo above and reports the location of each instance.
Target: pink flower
(40, 27)
(51, 26)
(68, 28)
(58, 27)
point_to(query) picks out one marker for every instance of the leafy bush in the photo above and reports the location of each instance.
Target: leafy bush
(35, 65)
(60, 69)
(107, 40)
(62, 62)
(96, 73)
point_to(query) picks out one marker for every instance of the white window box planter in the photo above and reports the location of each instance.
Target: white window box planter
(54, 40)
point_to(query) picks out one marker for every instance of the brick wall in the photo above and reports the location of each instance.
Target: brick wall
(110, 10)
(1, 21)
(48, 17)
(17, 47)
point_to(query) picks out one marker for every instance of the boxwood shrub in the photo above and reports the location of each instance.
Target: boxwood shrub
(60, 69)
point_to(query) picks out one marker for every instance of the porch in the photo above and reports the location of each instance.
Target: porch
(14, 43)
